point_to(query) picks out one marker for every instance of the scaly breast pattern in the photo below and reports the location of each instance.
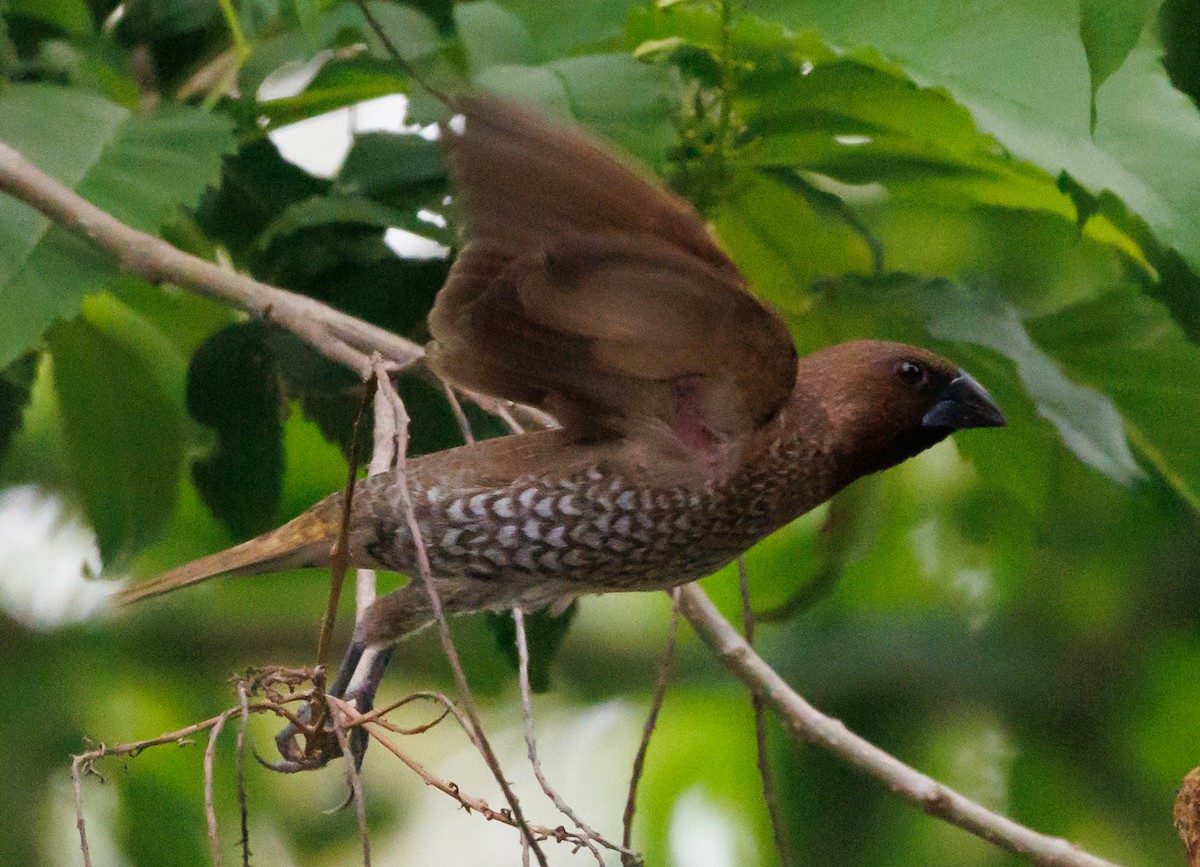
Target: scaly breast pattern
(596, 531)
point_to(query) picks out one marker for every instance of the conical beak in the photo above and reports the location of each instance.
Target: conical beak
(963, 403)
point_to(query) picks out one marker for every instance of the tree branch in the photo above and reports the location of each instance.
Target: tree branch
(334, 334)
(808, 724)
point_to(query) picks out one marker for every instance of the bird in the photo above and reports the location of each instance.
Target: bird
(688, 427)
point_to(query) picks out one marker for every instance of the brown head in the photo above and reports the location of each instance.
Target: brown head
(886, 402)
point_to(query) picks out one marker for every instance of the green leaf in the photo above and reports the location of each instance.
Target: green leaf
(8, 52)
(16, 386)
(544, 634)
(587, 24)
(183, 318)
(531, 85)
(1179, 23)
(72, 17)
(326, 211)
(1022, 52)
(257, 184)
(1039, 107)
(1109, 29)
(337, 85)
(1085, 418)
(861, 124)
(409, 31)
(308, 13)
(295, 47)
(1136, 106)
(491, 36)
(139, 168)
(123, 436)
(412, 34)
(233, 386)
(151, 20)
(753, 40)
(380, 165)
(328, 394)
(1127, 346)
(628, 102)
(782, 243)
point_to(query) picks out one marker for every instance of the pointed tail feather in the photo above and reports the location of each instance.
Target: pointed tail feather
(304, 541)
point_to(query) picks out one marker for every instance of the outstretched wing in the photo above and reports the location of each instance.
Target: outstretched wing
(585, 289)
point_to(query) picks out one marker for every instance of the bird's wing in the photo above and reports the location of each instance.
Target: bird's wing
(587, 290)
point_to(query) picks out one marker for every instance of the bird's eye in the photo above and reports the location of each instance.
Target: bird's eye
(911, 372)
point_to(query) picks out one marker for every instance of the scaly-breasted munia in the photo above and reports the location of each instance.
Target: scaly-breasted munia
(689, 428)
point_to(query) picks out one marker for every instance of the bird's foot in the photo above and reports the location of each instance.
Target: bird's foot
(356, 683)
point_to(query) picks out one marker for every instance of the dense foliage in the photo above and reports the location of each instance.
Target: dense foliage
(1014, 184)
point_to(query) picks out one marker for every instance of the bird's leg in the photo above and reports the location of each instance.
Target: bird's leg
(399, 613)
(357, 680)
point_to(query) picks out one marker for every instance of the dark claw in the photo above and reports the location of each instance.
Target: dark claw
(286, 766)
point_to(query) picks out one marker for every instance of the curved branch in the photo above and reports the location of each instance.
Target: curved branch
(806, 723)
(338, 336)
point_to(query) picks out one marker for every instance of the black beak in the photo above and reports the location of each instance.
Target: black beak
(963, 403)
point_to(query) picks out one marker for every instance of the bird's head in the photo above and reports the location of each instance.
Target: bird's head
(885, 402)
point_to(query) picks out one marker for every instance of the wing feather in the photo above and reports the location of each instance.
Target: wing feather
(588, 291)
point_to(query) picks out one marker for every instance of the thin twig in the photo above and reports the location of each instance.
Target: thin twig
(808, 724)
(469, 803)
(461, 417)
(78, 762)
(243, 806)
(639, 760)
(391, 49)
(388, 392)
(531, 737)
(383, 458)
(84, 763)
(534, 417)
(353, 777)
(341, 548)
(509, 419)
(760, 727)
(378, 714)
(210, 810)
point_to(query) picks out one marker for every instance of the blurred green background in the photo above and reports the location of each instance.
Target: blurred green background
(1014, 184)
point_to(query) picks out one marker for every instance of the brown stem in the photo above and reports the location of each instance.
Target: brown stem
(210, 810)
(335, 335)
(78, 764)
(809, 725)
(341, 548)
(354, 778)
(639, 760)
(760, 728)
(531, 743)
(477, 805)
(243, 804)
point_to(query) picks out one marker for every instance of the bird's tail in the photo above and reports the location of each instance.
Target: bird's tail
(306, 540)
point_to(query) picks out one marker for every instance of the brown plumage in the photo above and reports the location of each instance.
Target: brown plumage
(690, 429)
